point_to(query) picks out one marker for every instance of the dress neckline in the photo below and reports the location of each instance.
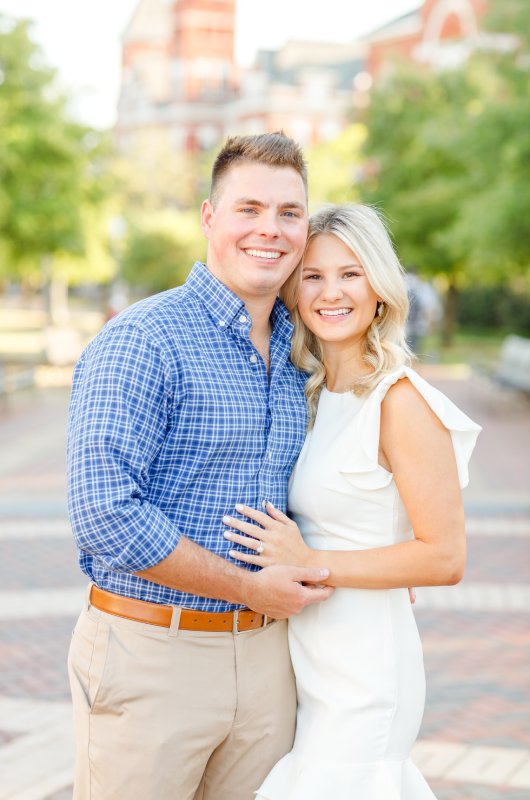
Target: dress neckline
(338, 394)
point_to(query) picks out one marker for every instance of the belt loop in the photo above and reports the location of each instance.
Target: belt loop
(235, 621)
(87, 595)
(175, 622)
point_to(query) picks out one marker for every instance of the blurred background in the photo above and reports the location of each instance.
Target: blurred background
(110, 117)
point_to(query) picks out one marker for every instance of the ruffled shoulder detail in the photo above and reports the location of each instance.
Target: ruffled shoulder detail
(362, 467)
(300, 779)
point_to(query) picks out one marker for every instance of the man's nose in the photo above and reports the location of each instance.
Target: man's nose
(269, 225)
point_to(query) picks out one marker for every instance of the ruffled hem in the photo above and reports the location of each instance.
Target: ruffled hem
(295, 778)
(362, 467)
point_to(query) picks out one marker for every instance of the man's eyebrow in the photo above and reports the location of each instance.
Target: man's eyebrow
(249, 201)
(293, 204)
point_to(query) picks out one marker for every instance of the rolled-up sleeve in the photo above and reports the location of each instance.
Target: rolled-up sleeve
(120, 411)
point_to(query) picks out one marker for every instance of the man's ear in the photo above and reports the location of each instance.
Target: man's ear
(207, 213)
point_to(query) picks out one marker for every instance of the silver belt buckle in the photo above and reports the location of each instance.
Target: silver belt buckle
(235, 623)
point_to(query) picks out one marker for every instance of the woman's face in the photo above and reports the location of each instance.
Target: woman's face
(336, 302)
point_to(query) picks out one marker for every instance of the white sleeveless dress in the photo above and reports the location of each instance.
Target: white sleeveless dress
(357, 657)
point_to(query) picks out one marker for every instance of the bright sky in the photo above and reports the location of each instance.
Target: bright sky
(82, 39)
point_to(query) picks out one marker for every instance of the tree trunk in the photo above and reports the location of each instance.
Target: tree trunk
(449, 318)
(55, 292)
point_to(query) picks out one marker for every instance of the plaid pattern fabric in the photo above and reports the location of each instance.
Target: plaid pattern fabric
(174, 420)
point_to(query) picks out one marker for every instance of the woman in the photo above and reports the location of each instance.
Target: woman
(377, 488)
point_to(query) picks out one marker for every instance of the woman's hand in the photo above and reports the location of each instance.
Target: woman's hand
(276, 539)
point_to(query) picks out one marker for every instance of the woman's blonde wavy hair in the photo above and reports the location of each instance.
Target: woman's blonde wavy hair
(362, 229)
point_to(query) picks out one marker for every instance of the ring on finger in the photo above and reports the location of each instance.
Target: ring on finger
(260, 548)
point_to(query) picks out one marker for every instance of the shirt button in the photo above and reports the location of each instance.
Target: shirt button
(242, 319)
(222, 323)
(253, 358)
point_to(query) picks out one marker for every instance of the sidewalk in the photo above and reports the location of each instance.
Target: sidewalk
(475, 739)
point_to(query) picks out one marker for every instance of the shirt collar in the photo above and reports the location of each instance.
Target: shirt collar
(225, 307)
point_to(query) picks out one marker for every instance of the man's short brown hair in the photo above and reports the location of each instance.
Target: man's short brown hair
(272, 149)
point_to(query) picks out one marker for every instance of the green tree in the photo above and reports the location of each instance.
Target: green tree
(160, 249)
(153, 175)
(51, 168)
(416, 172)
(494, 225)
(448, 159)
(334, 167)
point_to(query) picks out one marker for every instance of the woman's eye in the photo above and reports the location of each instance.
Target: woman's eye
(311, 277)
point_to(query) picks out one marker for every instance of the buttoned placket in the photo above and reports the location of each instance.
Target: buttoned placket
(239, 327)
(242, 327)
(280, 348)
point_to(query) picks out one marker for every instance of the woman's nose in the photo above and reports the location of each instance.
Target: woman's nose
(331, 291)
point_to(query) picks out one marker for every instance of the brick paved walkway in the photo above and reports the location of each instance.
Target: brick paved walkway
(475, 739)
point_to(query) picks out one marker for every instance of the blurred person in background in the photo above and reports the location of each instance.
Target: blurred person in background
(425, 310)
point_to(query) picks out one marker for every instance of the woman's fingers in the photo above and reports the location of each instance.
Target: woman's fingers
(246, 541)
(248, 558)
(275, 513)
(245, 527)
(258, 516)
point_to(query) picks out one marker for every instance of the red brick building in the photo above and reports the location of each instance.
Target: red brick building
(180, 81)
(181, 86)
(439, 33)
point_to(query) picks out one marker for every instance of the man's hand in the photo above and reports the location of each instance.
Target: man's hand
(281, 591)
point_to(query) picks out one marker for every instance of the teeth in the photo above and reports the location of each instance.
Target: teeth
(336, 312)
(264, 253)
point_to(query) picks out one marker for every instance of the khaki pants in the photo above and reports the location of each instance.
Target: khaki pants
(161, 713)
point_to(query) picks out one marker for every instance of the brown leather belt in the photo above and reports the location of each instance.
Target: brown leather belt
(154, 614)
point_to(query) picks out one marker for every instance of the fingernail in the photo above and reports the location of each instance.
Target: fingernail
(239, 506)
(227, 535)
(324, 573)
(227, 519)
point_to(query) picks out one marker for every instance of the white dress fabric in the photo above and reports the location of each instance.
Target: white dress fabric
(357, 657)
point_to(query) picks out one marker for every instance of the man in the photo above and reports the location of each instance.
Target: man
(182, 407)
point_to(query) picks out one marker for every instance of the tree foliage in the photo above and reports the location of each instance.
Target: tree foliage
(334, 166)
(50, 167)
(160, 249)
(448, 158)
(415, 166)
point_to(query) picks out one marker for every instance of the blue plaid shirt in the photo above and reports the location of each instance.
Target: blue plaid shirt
(173, 421)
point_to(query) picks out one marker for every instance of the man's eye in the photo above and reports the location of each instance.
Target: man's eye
(248, 210)
(290, 214)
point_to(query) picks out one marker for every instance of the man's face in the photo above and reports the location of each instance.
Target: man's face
(257, 229)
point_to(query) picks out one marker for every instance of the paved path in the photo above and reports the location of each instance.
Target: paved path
(475, 739)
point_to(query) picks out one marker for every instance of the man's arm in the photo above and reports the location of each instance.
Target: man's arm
(117, 424)
(119, 414)
(276, 591)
